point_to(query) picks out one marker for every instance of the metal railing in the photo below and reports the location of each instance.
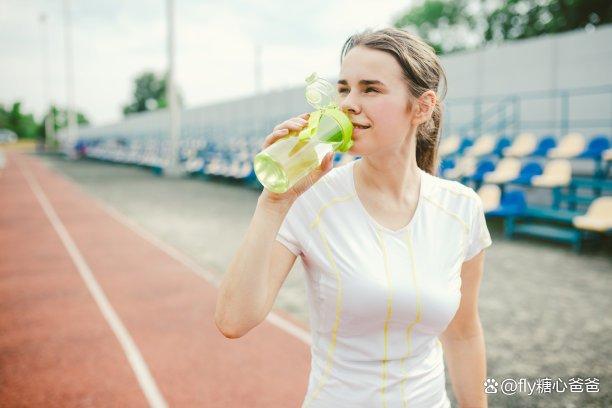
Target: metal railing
(505, 114)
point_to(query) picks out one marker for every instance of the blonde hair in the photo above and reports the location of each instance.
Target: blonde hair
(422, 71)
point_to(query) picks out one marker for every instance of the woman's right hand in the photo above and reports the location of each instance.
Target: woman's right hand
(294, 125)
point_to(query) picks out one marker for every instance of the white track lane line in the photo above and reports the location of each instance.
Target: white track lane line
(273, 318)
(139, 366)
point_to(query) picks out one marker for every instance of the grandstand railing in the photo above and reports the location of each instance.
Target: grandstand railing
(505, 114)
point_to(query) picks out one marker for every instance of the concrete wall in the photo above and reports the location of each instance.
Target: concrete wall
(571, 60)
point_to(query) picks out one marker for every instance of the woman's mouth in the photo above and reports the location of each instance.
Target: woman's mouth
(358, 126)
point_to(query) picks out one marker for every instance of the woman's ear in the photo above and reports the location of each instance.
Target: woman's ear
(424, 107)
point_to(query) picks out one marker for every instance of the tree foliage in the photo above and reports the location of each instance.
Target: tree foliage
(26, 126)
(149, 94)
(453, 25)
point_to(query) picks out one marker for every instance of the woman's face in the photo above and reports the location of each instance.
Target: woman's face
(374, 93)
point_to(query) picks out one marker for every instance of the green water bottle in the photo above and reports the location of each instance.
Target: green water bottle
(285, 162)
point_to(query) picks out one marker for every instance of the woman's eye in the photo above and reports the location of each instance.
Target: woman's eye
(370, 89)
(342, 90)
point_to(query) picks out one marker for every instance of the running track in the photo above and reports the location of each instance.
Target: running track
(94, 311)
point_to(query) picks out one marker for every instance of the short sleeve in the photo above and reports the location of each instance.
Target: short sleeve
(293, 232)
(478, 235)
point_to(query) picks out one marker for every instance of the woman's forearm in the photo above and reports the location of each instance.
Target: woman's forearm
(467, 366)
(243, 292)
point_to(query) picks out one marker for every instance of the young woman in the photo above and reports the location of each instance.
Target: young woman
(393, 254)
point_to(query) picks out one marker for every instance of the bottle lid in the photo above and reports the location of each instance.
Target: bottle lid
(320, 94)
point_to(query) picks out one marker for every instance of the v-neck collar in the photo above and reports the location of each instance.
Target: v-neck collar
(422, 188)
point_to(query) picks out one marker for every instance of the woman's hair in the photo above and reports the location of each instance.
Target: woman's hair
(422, 71)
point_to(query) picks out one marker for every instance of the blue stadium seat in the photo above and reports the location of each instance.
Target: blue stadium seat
(502, 143)
(595, 147)
(445, 164)
(528, 171)
(544, 145)
(465, 143)
(513, 203)
(484, 166)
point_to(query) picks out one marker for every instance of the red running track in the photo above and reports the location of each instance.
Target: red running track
(92, 313)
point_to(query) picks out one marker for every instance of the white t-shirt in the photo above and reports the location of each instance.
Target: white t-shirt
(379, 298)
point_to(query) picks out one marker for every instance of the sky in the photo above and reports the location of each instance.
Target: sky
(116, 40)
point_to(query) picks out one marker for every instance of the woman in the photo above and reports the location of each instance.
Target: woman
(393, 254)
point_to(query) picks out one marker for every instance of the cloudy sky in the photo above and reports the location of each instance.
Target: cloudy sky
(115, 40)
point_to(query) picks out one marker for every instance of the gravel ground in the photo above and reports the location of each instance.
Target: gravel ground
(545, 310)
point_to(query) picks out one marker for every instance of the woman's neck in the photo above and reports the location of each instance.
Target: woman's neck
(395, 175)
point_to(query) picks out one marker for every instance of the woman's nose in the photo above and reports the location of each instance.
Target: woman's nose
(348, 104)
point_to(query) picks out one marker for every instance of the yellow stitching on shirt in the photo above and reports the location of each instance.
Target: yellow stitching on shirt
(452, 214)
(388, 317)
(460, 193)
(335, 200)
(466, 229)
(332, 344)
(417, 319)
(330, 258)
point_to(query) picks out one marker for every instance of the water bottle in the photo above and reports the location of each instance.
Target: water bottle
(285, 162)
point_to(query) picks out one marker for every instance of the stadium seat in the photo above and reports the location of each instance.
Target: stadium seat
(544, 145)
(465, 144)
(598, 217)
(557, 173)
(572, 145)
(465, 167)
(483, 146)
(449, 145)
(506, 170)
(490, 194)
(482, 168)
(194, 165)
(528, 171)
(345, 158)
(502, 143)
(524, 145)
(445, 165)
(596, 147)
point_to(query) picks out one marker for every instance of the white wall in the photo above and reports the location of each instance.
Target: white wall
(571, 60)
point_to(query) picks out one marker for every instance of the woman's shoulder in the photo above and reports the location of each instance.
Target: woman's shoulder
(452, 194)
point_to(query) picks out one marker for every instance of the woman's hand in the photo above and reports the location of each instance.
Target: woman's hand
(294, 125)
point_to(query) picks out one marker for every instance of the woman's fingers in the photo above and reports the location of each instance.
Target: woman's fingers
(281, 130)
(304, 184)
(274, 136)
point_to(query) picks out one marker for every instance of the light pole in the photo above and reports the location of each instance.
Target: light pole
(172, 168)
(69, 65)
(49, 122)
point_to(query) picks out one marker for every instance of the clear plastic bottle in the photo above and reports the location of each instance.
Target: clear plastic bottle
(286, 161)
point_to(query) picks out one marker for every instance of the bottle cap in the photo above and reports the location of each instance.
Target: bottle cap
(320, 94)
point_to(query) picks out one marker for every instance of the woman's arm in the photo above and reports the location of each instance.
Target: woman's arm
(244, 291)
(463, 340)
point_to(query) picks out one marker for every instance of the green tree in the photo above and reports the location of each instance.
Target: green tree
(149, 94)
(517, 19)
(26, 126)
(453, 25)
(438, 22)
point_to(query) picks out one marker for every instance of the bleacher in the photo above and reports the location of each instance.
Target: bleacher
(507, 171)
